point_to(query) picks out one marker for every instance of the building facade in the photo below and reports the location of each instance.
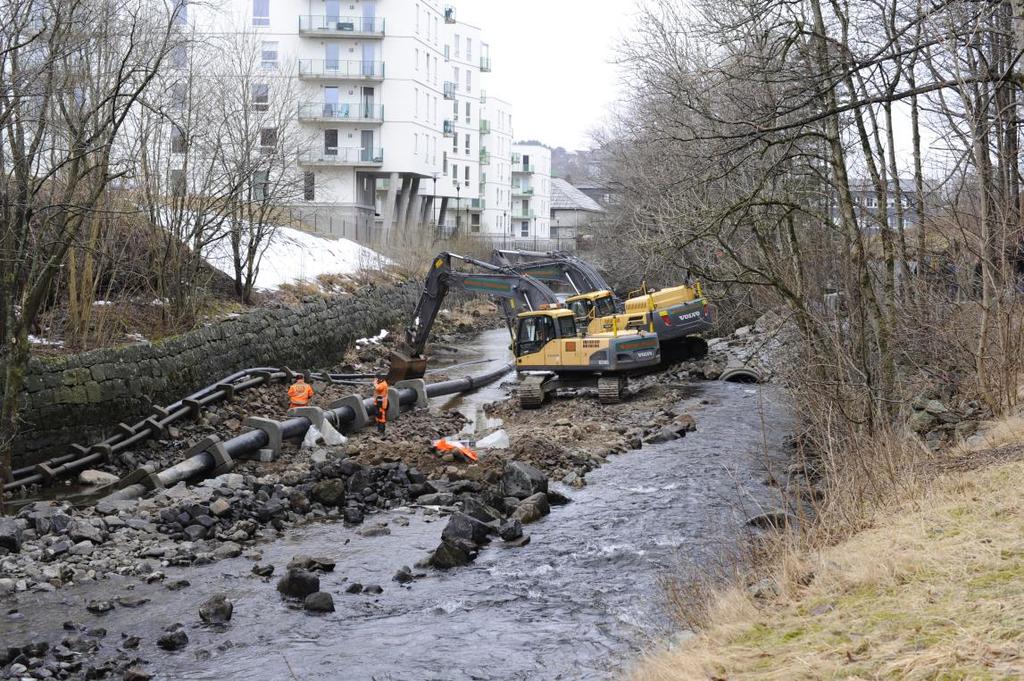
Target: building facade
(573, 213)
(531, 192)
(496, 139)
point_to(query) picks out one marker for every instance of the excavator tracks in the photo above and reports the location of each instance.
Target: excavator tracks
(531, 392)
(610, 389)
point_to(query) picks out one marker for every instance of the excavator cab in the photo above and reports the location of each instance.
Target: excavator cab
(592, 305)
(534, 330)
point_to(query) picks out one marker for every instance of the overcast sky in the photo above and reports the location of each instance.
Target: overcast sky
(552, 60)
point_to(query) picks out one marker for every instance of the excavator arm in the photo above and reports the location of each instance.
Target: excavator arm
(516, 293)
(555, 266)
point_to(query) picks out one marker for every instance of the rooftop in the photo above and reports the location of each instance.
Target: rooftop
(564, 196)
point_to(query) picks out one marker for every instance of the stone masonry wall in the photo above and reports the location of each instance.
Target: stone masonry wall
(79, 398)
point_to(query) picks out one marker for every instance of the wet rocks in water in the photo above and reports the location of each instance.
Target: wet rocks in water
(10, 534)
(228, 549)
(262, 570)
(773, 520)
(217, 610)
(131, 601)
(298, 583)
(477, 509)
(174, 638)
(178, 585)
(354, 588)
(321, 601)
(377, 530)
(311, 563)
(80, 530)
(511, 529)
(330, 493)
(373, 589)
(462, 527)
(532, 508)
(436, 499)
(404, 575)
(99, 607)
(521, 480)
(448, 555)
(136, 674)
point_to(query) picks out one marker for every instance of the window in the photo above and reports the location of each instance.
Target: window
(444, 162)
(534, 333)
(566, 327)
(435, 70)
(469, 119)
(455, 71)
(261, 12)
(330, 142)
(455, 173)
(268, 138)
(417, 19)
(468, 140)
(260, 96)
(416, 104)
(309, 186)
(524, 228)
(415, 143)
(455, 143)
(268, 54)
(469, 80)
(260, 184)
(469, 49)
(436, 32)
(177, 140)
(467, 176)
(179, 96)
(417, 62)
(181, 12)
(177, 183)
(474, 222)
(458, 42)
(455, 111)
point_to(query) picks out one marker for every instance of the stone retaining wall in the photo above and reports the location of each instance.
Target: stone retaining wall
(80, 397)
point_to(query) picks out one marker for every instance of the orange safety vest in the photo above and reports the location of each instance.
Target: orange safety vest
(380, 396)
(300, 393)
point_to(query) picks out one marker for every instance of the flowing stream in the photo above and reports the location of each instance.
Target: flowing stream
(578, 602)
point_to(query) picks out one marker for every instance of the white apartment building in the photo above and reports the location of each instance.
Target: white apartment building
(387, 100)
(531, 192)
(496, 136)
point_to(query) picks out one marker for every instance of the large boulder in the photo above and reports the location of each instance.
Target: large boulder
(475, 508)
(174, 639)
(298, 583)
(532, 508)
(449, 555)
(329, 492)
(80, 530)
(217, 610)
(462, 527)
(321, 601)
(96, 478)
(521, 480)
(10, 534)
(921, 422)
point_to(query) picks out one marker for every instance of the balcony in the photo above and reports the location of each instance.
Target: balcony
(337, 69)
(485, 157)
(343, 156)
(450, 89)
(325, 112)
(477, 204)
(523, 167)
(449, 14)
(520, 214)
(449, 128)
(485, 126)
(485, 64)
(319, 26)
(483, 96)
(522, 191)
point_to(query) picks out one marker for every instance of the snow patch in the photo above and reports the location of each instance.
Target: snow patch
(373, 340)
(36, 340)
(293, 255)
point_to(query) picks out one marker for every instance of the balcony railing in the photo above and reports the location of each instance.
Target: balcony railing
(449, 14)
(485, 157)
(357, 27)
(478, 204)
(485, 64)
(520, 214)
(523, 167)
(450, 89)
(327, 111)
(483, 96)
(338, 69)
(449, 128)
(485, 126)
(343, 156)
(522, 191)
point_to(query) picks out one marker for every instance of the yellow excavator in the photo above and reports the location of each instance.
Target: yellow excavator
(675, 313)
(552, 351)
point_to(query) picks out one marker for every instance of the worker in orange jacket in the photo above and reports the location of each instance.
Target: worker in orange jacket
(380, 398)
(299, 393)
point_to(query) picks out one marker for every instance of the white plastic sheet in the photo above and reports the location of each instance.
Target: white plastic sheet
(326, 434)
(496, 440)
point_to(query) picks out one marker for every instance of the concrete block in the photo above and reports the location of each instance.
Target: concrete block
(45, 471)
(124, 430)
(105, 450)
(355, 403)
(272, 428)
(420, 386)
(194, 408)
(228, 389)
(222, 461)
(314, 414)
(156, 429)
(394, 406)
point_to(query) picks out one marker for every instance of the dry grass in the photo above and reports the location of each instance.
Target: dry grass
(1005, 431)
(934, 590)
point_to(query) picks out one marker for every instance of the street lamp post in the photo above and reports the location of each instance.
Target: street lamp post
(458, 205)
(433, 206)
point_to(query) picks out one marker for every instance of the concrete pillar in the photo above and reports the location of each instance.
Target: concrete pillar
(443, 209)
(408, 222)
(427, 212)
(403, 208)
(389, 208)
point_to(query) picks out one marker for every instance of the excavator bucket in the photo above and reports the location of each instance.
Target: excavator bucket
(404, 367)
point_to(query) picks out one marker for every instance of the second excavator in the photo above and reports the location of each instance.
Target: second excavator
(551, 350)
(676, 314)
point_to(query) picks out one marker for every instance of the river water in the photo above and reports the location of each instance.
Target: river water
(578, 602)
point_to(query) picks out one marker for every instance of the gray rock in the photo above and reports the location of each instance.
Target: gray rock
(228, 549)
(920, 422)
(321, 601)
(216, 610)
(262, 570)
(10, 534)
(96, 478)
(374, 530)
(220, 507)
(477, 509)
(511, 529)
(298, 583)
(311, 563)
(99, 607)
(447, 556)
(137, 674)
(935, 408)
(437, 499)
(777, 520)
(330, 493)
(354, 588)
(373, 589)
(532, 508)
(404, 575)
(174, 639)
(79, 530)
(195, 532)
(83, 548)
(461, 526)
(522, 480)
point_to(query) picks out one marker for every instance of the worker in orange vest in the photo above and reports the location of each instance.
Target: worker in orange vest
(380, 398)
(300, 392)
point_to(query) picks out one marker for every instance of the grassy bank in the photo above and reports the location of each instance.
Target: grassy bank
(933, 590)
